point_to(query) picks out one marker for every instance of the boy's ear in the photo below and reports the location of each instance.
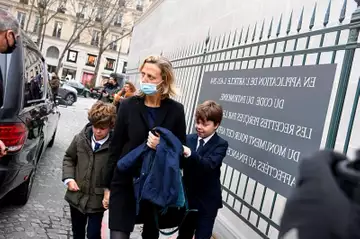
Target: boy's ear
(217, 126)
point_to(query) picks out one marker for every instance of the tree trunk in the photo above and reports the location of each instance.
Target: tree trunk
(97, 67)
(42, 37)
(40, 30)
(31, 11)
(60, 60)
(98, 62)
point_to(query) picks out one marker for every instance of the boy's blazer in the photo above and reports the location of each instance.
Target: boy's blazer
(202, 173)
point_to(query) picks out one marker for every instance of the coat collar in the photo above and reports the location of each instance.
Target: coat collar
(87, 135)
(161, 113)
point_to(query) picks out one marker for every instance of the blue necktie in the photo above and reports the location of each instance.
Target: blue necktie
(97, 146)
(201, 145)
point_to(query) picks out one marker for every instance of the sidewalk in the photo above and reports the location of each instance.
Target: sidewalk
(105, 233)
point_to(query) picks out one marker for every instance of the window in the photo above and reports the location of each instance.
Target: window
(109, 64)
(21, 18)
(139, 5)
(81, 11)
(35, 75)
(113, 45)
(91, 60)
(72, 56)
(99, 14)
(95, 39)
(124, 67)
(118, 20)
(57, 29)
(69, 73)
(36, 24)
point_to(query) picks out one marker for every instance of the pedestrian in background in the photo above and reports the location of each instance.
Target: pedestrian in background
(137, 116)
(204, 154)
(83, 166)
(126, 92)
(54, 84)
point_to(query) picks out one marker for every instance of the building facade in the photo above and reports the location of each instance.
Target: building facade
(80, 59)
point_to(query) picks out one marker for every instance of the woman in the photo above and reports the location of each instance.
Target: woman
(127, 91)
(136, 117)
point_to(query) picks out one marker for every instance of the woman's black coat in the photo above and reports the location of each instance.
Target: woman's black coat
(131, 130)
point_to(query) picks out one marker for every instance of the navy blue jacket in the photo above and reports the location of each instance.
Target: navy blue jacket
(160, 177)
(202, 173)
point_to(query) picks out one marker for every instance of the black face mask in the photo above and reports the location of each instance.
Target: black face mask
(10, 49)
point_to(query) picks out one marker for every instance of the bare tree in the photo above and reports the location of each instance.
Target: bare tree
(84, 12)
(46, 11)
(108, 20)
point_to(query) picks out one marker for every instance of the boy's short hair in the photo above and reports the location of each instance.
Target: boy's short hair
(209, 111)
(102, 115)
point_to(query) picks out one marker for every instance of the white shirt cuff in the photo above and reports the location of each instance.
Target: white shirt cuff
(66, 181)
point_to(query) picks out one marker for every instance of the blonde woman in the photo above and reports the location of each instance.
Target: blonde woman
(136, 117)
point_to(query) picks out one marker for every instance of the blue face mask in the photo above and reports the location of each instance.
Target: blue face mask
(148, 88)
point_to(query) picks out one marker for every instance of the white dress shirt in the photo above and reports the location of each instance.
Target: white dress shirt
(188, 154)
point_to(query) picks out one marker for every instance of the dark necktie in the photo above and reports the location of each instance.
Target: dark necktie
(201, 145)
(97, 146)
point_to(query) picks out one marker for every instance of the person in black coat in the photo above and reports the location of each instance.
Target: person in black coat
(136, 117)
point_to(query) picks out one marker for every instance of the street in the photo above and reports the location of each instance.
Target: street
(46, 215)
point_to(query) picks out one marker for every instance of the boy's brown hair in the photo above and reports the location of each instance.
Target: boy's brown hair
(102, 115)
(209, 111)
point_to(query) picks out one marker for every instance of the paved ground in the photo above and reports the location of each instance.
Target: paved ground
(46, 215)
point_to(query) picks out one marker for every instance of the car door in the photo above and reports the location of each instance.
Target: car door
(33, 112)
(52, 114)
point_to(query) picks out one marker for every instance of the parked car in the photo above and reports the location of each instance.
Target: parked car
(68, 94)
(28, 118)
(81, 89)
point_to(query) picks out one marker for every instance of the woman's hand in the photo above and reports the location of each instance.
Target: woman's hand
(153, 140)
(105, 200)
(117, 97)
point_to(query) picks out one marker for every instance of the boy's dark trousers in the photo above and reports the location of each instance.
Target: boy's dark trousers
(79, 221)
(199, 224)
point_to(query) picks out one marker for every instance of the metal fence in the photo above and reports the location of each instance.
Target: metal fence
(260, 46)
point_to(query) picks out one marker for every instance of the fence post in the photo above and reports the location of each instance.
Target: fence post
(197, 89)
(344, 77)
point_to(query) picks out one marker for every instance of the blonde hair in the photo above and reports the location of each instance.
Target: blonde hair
(102, 115)
(167, 88)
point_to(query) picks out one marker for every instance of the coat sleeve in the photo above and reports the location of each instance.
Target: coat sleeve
(119, 138)
(180, 126)
(70, 160)
(211, 161)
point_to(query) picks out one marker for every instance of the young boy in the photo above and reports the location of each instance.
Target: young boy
(83, 166)
(203, 158)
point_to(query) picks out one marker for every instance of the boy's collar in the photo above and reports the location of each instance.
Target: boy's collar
(207, 138)
(101, 141)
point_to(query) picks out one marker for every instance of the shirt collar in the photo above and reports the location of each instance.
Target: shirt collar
(102, 141)
(207, 138)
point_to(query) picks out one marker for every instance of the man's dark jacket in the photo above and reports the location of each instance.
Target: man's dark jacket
(319, 207)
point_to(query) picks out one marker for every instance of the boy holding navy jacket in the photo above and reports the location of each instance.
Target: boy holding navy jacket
(204, 154)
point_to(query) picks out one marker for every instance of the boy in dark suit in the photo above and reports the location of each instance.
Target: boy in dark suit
(201, 168)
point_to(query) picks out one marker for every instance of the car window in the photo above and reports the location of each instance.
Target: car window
(4, 65)
(35, 78)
